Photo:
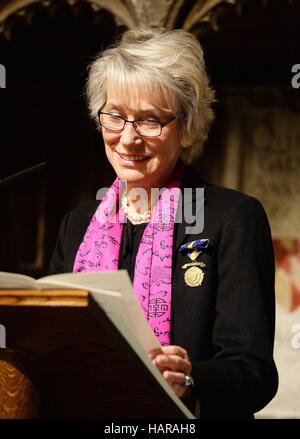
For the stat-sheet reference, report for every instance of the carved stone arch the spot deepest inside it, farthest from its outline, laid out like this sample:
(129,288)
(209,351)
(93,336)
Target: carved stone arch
(197,15)
(190,15)
(123,11)
(209,12)
(133,13)
(186,13)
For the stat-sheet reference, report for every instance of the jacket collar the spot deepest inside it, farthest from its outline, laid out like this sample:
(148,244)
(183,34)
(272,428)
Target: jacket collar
(192,180)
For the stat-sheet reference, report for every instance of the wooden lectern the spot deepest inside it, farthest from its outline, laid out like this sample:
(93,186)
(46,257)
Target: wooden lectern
(65,359)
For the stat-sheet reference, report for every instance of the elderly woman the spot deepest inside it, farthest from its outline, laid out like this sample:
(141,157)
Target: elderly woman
(207,292)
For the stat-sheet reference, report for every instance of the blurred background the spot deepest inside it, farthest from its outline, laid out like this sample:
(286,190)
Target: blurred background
(254,146)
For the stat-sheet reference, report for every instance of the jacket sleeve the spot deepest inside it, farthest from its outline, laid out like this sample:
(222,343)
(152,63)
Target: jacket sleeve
(241,377)
(57,262)
(70,236)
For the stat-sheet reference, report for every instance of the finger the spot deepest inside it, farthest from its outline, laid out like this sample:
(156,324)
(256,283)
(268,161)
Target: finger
(169,350)
(175,350)
(174,377)
(177,387)
(180,391)
(177,383)
(162,362)
(174,363)
(154,352)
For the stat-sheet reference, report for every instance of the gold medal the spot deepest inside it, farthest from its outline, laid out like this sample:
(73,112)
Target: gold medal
(194,276)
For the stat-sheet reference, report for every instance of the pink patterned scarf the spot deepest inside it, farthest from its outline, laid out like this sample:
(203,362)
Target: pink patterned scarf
(100,248)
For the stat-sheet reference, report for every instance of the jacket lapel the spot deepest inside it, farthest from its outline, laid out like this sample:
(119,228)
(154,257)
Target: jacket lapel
(179,298)
(190,180)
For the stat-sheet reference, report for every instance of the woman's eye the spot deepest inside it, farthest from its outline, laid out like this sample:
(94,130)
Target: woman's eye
(152,120)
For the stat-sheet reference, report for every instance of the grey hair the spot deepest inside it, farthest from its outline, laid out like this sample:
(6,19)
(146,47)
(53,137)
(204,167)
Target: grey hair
(167,66)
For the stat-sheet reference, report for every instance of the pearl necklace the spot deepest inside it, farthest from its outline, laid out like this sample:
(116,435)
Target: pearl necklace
(133,216)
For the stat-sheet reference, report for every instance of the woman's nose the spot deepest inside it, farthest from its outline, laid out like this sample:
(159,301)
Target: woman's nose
(129,135)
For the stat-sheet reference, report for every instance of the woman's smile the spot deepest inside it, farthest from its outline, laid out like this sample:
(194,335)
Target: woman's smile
(132,160)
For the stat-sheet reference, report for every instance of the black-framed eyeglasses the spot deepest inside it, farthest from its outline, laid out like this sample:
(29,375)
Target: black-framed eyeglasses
(146,128)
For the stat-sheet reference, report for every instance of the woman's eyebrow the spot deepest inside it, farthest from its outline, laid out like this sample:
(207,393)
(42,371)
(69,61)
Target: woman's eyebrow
(152,110)
(111,106)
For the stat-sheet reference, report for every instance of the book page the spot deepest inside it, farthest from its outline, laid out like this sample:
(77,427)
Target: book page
(105,286)
(140,337)
(17,281)
(134,339)
(115,281)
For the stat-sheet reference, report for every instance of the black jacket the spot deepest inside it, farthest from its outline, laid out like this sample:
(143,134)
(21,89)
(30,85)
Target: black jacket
(227,323)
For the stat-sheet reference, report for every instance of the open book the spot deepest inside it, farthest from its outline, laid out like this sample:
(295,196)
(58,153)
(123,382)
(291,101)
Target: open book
(114,294)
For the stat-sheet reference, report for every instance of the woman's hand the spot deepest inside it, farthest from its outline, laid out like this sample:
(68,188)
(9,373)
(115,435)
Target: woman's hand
(174,364)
